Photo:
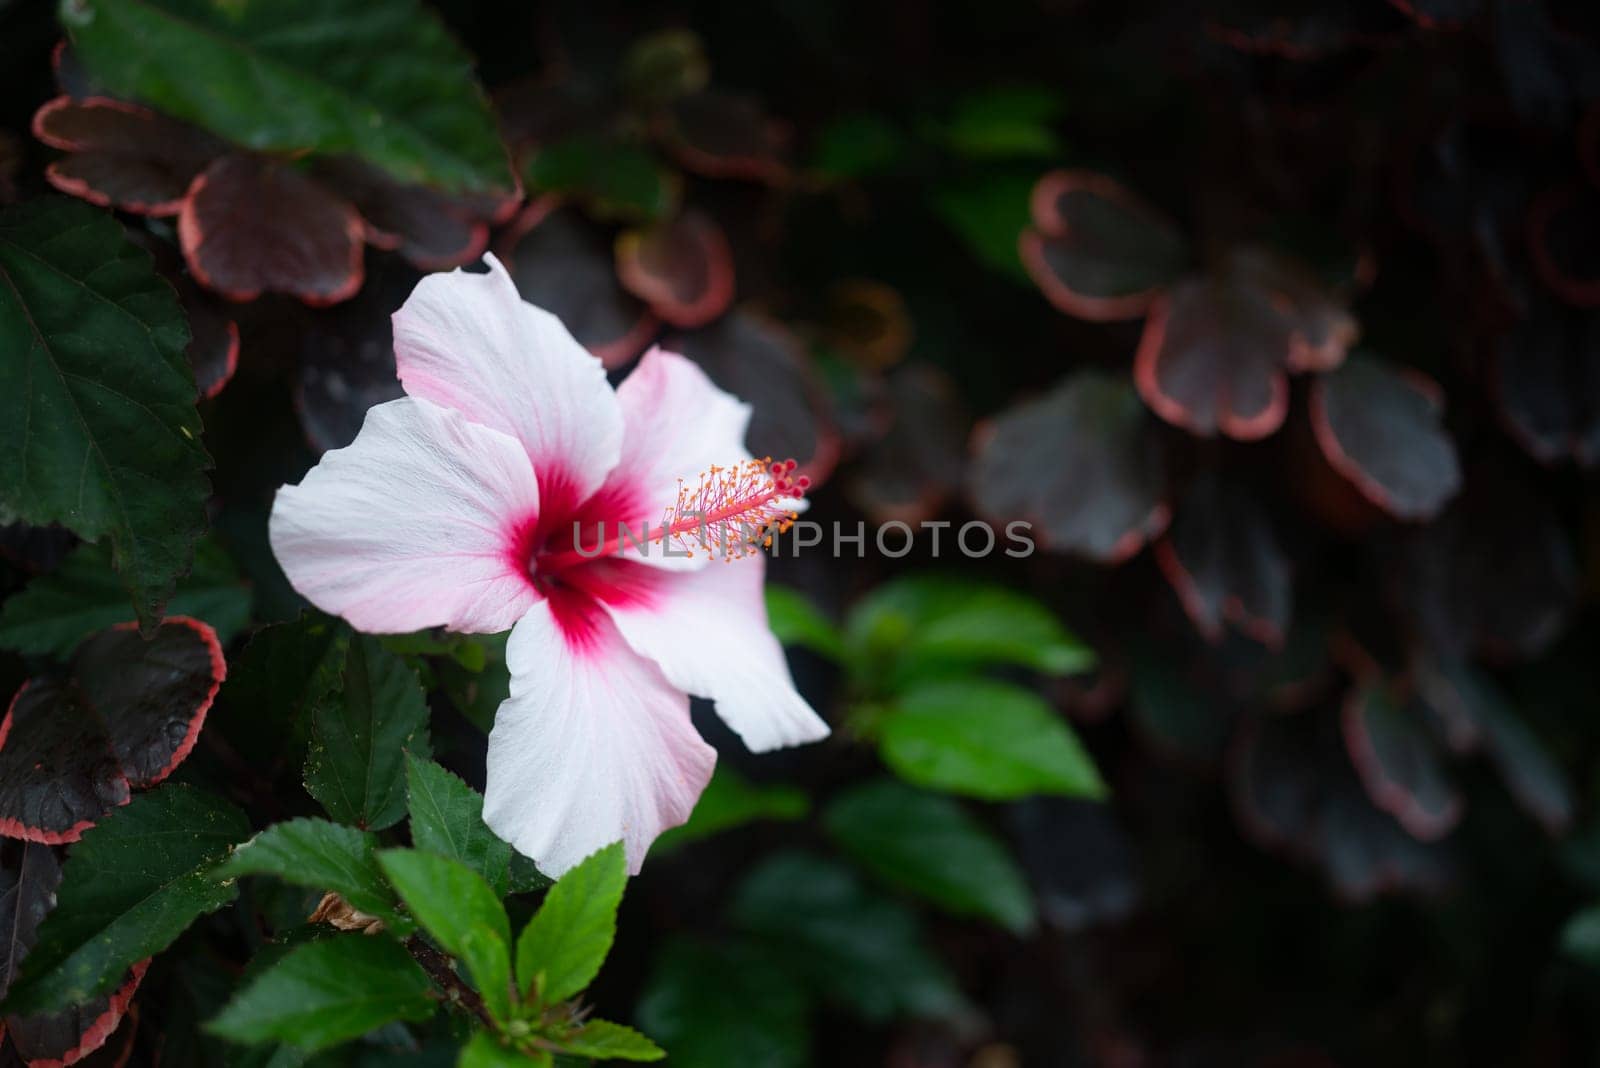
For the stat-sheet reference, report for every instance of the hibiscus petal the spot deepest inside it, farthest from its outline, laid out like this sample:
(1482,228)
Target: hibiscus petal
(593,745)
(469,342)
(421,522)
(708,630)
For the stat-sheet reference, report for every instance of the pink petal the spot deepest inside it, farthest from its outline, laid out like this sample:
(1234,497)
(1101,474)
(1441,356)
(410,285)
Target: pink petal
(418,523)
(676,425)
(593,745)
(468,342)
(708,630)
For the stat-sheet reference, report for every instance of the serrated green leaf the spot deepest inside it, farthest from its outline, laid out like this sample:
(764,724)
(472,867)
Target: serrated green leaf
(265,704)
(850,944)
(98,427)
(987,740)
(934,848)
(322,856)
(526,876)
(730,801)
(714,1006)
(563,946)
(456,907)
(132,885)
(604,1040)
(378,79)
(795,621)
(328,992)
(447,819)
(915,628)
(361,734)
(484,1050)
(57,611)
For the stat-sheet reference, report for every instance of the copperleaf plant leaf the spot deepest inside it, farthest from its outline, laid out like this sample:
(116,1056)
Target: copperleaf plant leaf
(124,717)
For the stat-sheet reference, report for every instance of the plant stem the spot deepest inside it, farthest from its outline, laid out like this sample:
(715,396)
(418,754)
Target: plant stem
(458,993)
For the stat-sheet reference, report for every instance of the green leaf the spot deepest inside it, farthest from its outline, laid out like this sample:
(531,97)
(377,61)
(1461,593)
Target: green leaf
(715,1006)
(796,621)
(1580,938)
(57,611)
(932,847)
(526,876)
(604,1040)
(360,736)
(567,940)
(858,146)
(928,625)
(985,739)
(283,673)
(447,818)
(98,428)
(322,856)
(862,950)
(131,886)
(1009,123)
(989,212)
(730,801)
(328,992)
(378,79)
(485,1051)
(617,180)
(456,907)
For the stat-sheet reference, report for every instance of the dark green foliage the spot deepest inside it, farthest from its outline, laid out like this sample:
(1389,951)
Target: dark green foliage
(98,429)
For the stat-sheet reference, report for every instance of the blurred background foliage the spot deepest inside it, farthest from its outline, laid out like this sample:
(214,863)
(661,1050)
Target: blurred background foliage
(1279,324)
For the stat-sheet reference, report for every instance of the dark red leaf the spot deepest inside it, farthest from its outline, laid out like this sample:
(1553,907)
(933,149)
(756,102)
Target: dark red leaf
(1494,574)
(682,268)
(561,263)
(1294,791)
(347,360)
(1564,243)
(252,225)
(127,714)
(1096,250)
(151,694)
(760,362)
(868,322)
(433,230)
(213,339)
(1216,351)
(1439,14)
(1545,376)
(919,462)
(29,875)
(1226,563)
(1306,31)
(1476,715)
(1079,860)
(1398,762)
(1080,464)
(1379,426)
(123,155)
(721,135)
(58,773)
(57,1039)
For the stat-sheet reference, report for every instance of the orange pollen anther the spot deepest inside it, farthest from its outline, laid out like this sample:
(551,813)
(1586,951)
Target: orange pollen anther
(729,512)
(732,512)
